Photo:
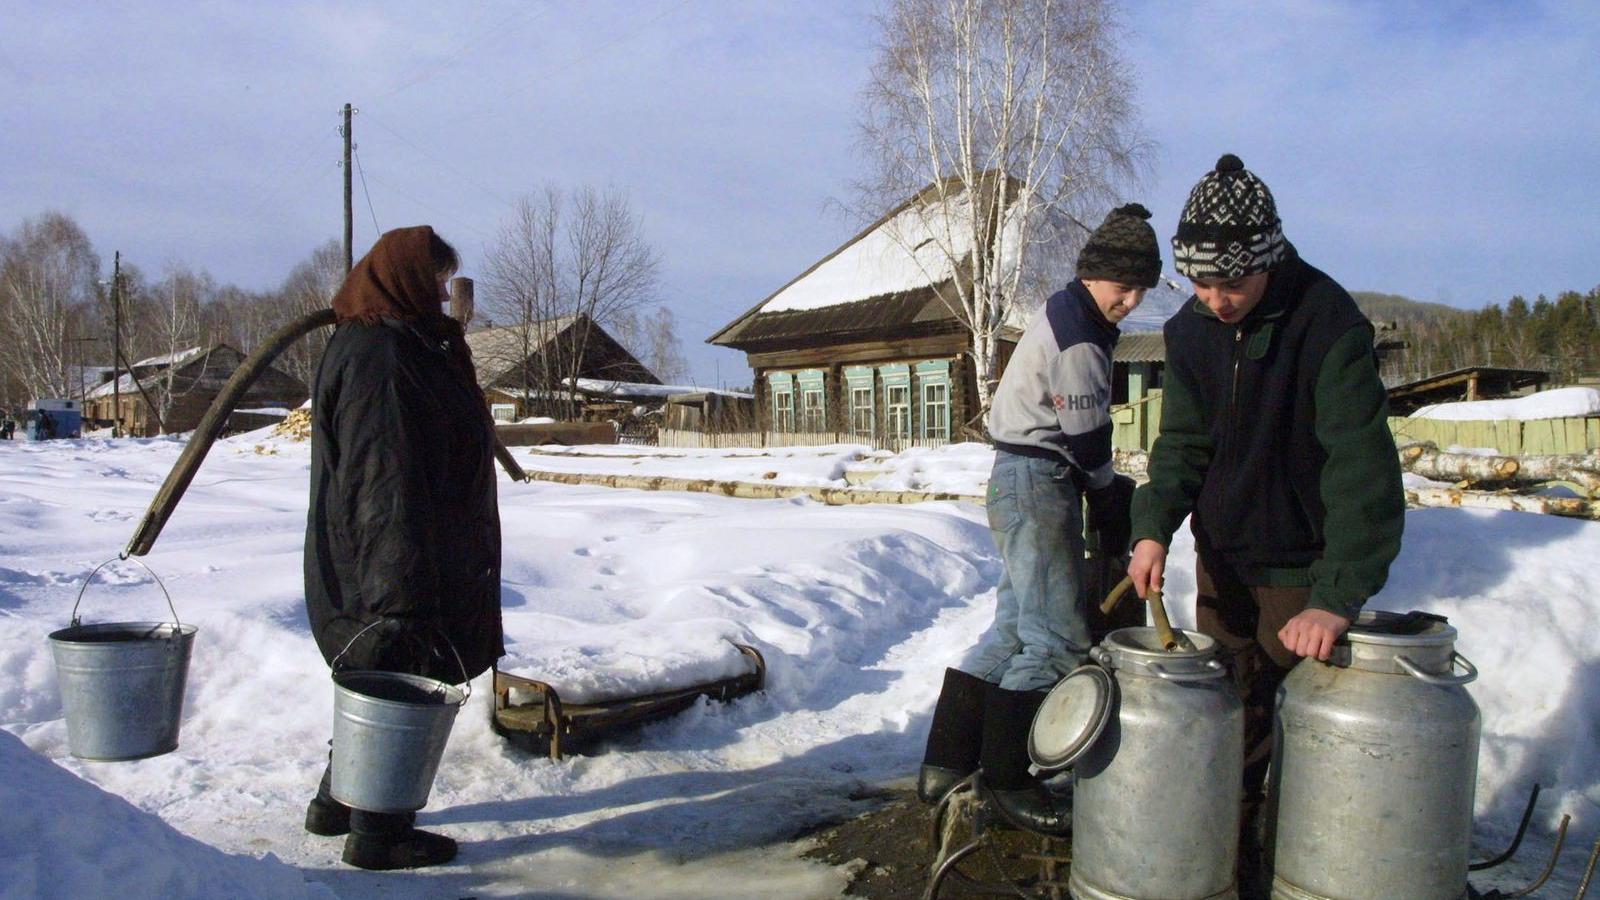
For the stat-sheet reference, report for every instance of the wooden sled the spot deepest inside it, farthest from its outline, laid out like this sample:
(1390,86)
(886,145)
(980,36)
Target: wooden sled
(544,724)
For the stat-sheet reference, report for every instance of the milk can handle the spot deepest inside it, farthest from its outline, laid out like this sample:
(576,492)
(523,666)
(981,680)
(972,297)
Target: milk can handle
(1212,670)
(465,678)
(1467,677)
(75,620)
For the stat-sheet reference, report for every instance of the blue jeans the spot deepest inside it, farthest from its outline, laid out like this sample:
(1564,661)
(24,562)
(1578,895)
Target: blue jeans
(1041,627)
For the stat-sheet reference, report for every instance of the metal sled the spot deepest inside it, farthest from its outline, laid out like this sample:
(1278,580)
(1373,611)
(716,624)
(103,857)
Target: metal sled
(545,724)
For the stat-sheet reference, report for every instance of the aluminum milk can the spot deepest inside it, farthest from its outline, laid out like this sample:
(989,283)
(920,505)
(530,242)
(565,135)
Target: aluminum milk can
(1156,797)
(1376,766)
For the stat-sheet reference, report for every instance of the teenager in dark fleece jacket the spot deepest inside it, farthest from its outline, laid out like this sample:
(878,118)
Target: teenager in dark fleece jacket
(1051,423)
(1274,436)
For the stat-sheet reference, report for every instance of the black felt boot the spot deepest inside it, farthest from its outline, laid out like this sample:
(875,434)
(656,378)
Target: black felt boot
(955,738)
(383,841)
(1004,783)
(325,815)
(328,817)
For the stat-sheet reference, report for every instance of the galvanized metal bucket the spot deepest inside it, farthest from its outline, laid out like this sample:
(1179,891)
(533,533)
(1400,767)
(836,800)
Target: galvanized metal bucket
(122,682)
(389,732)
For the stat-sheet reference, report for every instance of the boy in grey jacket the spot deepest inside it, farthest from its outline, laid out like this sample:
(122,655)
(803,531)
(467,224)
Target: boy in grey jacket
(1051,424)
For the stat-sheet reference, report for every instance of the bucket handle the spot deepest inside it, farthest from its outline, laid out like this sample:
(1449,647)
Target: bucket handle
(466,680)
(1466,677)
(1213,670)
(76,621)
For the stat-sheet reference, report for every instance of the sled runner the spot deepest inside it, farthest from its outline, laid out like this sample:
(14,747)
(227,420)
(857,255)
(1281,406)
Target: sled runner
(543,723)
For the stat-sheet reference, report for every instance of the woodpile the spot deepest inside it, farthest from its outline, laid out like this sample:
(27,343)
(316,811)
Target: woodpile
(296,426)
(749,490)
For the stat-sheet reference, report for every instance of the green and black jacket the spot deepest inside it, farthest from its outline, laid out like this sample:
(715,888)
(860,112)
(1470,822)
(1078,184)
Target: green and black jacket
(1274,434)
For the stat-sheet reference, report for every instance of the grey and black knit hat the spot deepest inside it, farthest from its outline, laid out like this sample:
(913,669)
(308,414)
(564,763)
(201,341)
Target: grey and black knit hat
(1229,227)
(1123,249)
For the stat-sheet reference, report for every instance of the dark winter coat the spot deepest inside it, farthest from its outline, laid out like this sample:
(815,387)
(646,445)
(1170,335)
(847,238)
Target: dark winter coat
(1274,434)
(403,524)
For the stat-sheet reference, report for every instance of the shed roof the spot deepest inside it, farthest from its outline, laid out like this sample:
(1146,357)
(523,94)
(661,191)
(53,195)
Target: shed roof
(1148,346)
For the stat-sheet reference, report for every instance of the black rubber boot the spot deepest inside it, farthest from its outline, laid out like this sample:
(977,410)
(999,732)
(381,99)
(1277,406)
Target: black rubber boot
(955,738)
(1004,783)
(384,841)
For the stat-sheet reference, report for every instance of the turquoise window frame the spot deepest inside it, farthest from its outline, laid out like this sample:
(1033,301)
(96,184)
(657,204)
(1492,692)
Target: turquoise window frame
(896,378)
(933,374)
(812,419)
(860,378)
(781,384)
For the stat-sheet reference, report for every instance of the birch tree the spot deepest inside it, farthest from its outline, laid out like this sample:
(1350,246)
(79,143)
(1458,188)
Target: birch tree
(48,275)
(565,261)
(177,327)
(1012,122)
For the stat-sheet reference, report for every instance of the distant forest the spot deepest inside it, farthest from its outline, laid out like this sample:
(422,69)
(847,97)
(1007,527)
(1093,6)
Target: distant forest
(1559,336)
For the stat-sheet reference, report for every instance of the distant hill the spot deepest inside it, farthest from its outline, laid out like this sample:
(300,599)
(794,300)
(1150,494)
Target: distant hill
(1404,311)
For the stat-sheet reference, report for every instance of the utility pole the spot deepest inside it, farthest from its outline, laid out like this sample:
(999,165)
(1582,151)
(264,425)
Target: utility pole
(116,345)
(349,260)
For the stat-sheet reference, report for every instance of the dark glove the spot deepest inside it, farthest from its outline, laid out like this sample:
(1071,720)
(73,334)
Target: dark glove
(1111,515)
(398,644)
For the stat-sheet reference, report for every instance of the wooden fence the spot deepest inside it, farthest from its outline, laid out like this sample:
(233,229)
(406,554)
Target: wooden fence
(1508,436)
(1135,426)
(683,438)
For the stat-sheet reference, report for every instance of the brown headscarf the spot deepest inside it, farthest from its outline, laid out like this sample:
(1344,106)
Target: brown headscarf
(397,279)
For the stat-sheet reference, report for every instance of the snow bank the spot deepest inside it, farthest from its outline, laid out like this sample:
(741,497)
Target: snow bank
(61,836)
(1560,403)
(856,609)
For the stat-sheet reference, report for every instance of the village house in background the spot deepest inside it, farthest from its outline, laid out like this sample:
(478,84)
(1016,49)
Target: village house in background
(543,369)
(863,347)
(181,386)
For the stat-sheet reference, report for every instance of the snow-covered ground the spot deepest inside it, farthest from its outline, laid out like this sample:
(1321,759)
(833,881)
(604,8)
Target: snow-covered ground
(857,610)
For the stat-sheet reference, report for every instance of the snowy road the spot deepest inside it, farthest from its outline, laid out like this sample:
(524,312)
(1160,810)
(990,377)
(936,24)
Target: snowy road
(856,609)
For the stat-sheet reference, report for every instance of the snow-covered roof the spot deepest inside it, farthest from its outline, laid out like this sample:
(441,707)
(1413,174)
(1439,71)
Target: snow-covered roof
(126,384)
(916,247)
(171,359)
(498,350)
(638,389)
(1560,403)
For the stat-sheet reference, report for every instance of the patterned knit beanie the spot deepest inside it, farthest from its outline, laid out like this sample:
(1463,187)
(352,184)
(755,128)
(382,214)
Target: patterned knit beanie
(1229,227)
(1123,249)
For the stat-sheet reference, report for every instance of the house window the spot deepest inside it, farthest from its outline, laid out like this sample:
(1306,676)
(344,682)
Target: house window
(813,401)
(896,379)
(936,411)
(503,412)
(933,382)
(782,388)
(897,405)
(862,403)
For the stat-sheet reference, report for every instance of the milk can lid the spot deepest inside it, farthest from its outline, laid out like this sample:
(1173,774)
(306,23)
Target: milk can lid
(1071,718)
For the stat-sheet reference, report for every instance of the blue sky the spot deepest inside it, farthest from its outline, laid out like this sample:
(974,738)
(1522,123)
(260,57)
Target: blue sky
(1446,151)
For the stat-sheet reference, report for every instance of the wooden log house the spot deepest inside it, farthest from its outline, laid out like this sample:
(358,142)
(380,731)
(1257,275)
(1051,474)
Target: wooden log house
(864,346)
(185,383)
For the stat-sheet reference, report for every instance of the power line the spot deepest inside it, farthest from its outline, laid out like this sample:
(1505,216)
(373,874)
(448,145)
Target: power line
(420,74)
(363,173)
(571,63)
(435,210)
(498,197)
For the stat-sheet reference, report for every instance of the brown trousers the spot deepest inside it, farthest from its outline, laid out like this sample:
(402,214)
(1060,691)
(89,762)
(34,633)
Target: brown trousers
(1245,621)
